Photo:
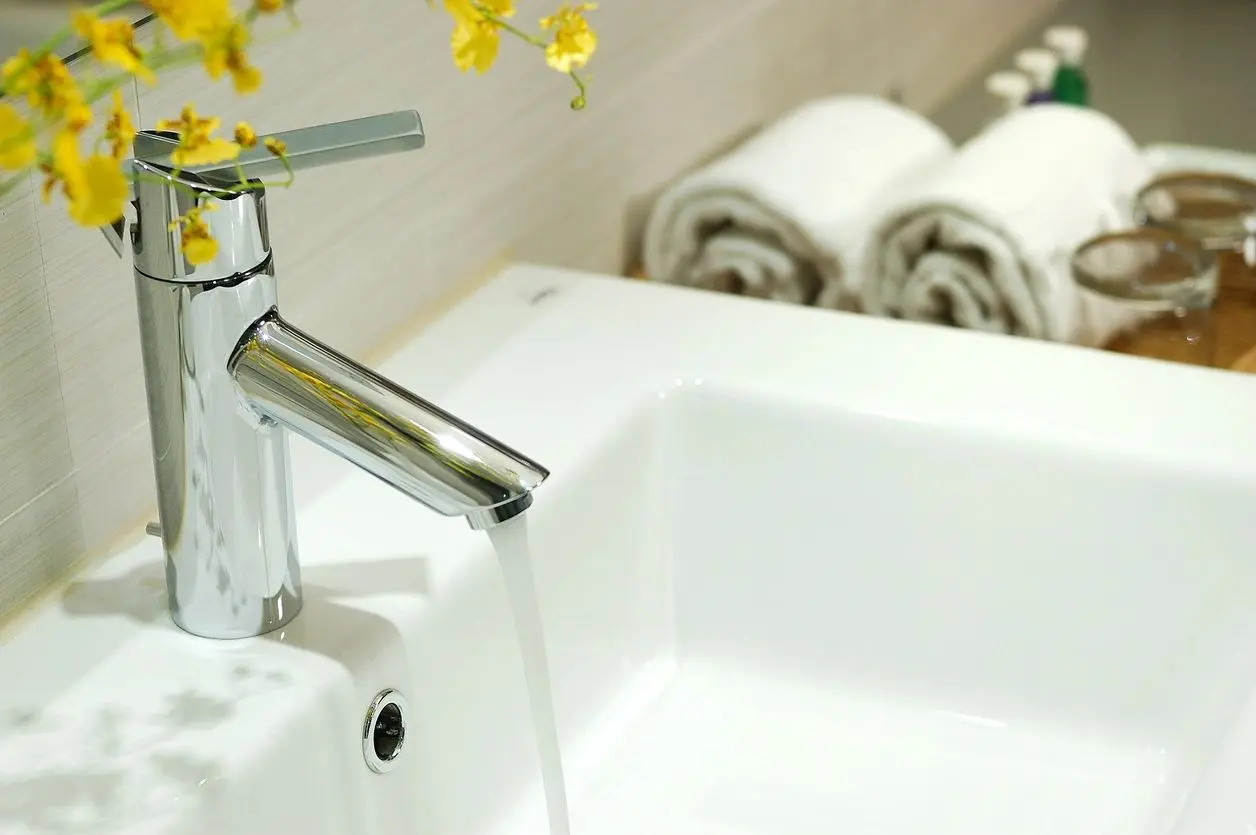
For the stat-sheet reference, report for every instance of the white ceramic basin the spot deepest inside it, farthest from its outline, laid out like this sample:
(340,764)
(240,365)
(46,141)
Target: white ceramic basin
(801,572)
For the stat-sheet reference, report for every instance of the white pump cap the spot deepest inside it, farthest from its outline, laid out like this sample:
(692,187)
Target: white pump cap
(1069,41)
(1011,88)
(1040,65)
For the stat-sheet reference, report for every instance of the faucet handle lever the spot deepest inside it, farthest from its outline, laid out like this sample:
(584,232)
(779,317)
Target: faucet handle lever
(328,144)
(241,232)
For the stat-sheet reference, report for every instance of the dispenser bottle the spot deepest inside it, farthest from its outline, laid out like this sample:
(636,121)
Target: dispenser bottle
(1040,65)
(1010,88)
(1070,85)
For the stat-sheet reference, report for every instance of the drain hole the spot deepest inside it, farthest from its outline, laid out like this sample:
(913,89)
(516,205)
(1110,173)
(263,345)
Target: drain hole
(390,732)
(385,731)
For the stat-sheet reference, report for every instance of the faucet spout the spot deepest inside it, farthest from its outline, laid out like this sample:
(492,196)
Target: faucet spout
(427,453)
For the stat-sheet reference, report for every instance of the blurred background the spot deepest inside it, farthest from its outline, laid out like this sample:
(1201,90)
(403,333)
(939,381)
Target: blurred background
(1167,70)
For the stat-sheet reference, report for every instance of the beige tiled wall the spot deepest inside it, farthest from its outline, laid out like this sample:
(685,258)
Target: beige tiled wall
(508,170)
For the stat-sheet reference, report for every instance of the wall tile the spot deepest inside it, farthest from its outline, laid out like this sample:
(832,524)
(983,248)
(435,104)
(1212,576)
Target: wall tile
(105,512)
(94,326)
(34,448)
(40,543)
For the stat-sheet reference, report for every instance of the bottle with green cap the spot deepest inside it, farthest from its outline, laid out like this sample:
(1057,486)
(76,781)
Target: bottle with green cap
(1071,86)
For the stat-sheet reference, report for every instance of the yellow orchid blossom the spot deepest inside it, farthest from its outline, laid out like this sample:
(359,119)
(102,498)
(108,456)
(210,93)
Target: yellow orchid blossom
(224,52)
(95,188)
(119,130)
(191,19)
(197,144)
(477,32)
(112,42)
(198,245)
(17,141)
(574,40)
(49,88)
(244,135)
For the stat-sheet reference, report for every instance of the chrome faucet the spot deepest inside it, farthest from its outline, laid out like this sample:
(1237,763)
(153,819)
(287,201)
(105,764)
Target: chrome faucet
(226,376)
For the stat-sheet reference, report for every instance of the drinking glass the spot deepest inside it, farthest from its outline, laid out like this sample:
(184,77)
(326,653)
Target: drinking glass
(1163,283)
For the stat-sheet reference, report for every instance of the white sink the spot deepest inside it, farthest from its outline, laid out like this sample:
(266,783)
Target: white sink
(801,572)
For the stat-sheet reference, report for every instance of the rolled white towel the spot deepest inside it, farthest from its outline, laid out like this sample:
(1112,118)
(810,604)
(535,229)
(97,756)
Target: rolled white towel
(785,214)
(984,240)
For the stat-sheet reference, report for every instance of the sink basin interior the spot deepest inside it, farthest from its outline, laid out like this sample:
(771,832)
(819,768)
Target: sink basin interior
(798,618)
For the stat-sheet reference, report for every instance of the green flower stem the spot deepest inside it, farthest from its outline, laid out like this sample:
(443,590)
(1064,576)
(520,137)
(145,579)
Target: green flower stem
(243,186)
(101,87)
(160,58)
(579,101)
(500,21)
(246,184)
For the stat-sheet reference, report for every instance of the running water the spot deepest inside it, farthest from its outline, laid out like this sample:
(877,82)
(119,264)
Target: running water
(510,540)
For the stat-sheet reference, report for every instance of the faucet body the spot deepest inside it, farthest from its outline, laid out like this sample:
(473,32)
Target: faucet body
(227,379)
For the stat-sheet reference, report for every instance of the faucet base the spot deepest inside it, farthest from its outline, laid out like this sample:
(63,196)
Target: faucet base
(274,613)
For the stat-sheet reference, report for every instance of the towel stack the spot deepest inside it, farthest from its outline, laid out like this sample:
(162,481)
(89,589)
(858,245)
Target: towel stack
(785,215)
(856,203)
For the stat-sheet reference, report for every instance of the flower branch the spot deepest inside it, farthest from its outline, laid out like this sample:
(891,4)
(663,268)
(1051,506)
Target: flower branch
(50,131)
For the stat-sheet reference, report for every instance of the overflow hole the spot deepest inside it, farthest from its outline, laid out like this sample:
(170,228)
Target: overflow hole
(385,731)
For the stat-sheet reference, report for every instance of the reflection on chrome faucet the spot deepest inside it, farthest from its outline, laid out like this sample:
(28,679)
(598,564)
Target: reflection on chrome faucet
(226,376)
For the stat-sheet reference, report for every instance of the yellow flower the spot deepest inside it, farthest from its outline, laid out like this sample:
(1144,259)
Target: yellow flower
(65,160)
(98,193)
(476,36)
(48,86)
(268,6)
(475,9)
(276,147)
(574,41)
(500,8)
(119,130)
(245,136)
(474,45)
(197,144)
(17,140)
(191,19)
(195,239)
(224,52)
(198,246)
(112,42)
(95,188)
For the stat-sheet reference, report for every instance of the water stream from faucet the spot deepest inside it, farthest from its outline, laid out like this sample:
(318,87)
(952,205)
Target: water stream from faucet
(510,540)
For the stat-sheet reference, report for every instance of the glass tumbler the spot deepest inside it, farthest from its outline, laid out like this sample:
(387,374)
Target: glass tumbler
(1218,210)
(1163,283)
